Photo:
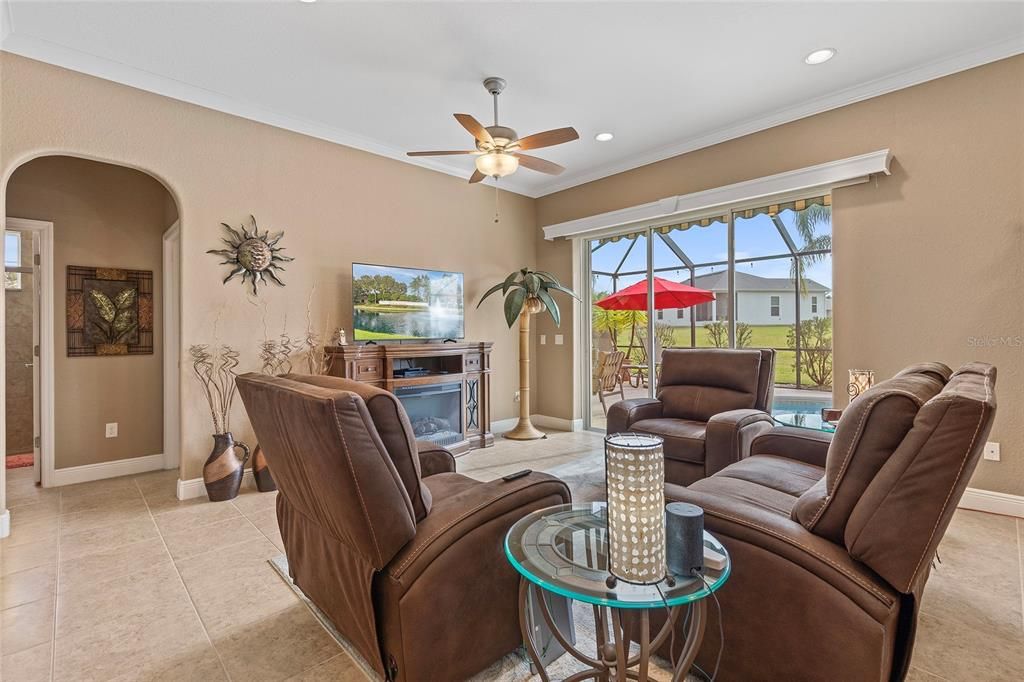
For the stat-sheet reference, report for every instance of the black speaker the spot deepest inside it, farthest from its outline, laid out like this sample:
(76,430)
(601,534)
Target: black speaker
(684,538)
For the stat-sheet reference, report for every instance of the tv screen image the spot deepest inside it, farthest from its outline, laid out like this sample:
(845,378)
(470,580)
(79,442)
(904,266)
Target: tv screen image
(394,304)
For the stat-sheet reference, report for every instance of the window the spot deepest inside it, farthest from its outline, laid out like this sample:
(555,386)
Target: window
(12,259)
(680,313)
(774,303)
(814,304)
(661,314)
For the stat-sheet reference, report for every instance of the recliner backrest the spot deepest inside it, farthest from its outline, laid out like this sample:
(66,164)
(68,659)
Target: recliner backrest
(870,430)
(394,429)
(330,463)
(698,383)
(898,522)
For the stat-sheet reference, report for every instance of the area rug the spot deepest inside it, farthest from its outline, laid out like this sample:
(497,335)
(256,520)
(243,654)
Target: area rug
(514,667)
(19,461)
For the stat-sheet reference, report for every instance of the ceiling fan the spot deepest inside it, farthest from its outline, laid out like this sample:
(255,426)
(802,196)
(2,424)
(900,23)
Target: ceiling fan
(499,149)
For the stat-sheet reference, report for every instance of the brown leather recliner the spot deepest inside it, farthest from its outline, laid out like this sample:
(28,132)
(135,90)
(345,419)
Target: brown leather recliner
(404,555)
(832,538)
(711,404)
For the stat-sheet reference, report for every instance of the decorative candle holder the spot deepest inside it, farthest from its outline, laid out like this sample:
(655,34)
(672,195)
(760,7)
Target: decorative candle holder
(860,381)
(635,476)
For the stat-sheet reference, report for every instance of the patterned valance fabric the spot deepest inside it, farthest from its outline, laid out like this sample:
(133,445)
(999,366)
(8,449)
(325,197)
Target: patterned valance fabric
(770,209)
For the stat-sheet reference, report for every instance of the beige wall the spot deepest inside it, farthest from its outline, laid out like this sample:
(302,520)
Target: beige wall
(336,204)
(925,261)
(18,381)
(103,216)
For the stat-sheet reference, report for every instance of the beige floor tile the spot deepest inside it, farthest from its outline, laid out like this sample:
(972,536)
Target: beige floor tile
(157,480)
(28,665)
(276,648)
(236,586)
(116,499)
(958,651)
(24,532)
(253,501)
(918,675)
(43,508)
(26,626)
(161,501)
(88,603)
(104,487)
(193,516)
(157,643)
(341,668)
(214,536)
(275,537)
(21,495)
(27,586)
(265,520)
(75,545)
(111,564)
(114,514)
(29,555)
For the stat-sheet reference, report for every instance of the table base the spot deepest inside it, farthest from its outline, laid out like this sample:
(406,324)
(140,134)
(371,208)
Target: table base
(612,661)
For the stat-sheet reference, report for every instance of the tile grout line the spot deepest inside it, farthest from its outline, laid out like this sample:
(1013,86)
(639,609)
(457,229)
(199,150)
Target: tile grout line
(181,580)
(56,591)
(1020,567)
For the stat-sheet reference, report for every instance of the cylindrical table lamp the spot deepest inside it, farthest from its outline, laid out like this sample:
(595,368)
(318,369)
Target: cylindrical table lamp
(635,475)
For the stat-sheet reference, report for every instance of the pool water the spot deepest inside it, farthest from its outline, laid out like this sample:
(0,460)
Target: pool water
(799,406)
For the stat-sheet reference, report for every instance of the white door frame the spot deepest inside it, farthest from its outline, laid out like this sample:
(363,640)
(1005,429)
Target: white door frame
(172,345)
(45,282)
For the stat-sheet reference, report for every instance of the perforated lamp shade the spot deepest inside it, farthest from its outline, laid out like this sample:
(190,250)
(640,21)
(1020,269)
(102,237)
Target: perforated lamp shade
(635,475)
(860,381)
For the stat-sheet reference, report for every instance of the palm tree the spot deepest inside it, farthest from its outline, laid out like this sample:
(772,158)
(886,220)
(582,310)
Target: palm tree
(806,224)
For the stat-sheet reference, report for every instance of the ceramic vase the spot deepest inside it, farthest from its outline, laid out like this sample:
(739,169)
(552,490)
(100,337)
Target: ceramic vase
(261,472)
(223,470)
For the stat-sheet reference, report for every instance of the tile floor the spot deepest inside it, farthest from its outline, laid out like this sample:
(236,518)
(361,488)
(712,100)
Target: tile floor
(118,580)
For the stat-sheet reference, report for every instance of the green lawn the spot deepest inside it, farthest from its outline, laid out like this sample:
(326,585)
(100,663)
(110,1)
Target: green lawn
(364,335)
(763,336)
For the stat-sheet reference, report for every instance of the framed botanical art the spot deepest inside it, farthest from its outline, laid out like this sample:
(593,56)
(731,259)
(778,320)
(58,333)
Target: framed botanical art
(109,311)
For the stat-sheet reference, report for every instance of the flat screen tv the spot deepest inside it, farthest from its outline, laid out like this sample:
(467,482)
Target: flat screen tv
(396,304)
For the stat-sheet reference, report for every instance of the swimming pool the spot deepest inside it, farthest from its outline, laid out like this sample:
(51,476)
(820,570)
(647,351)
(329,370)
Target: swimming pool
(799,405)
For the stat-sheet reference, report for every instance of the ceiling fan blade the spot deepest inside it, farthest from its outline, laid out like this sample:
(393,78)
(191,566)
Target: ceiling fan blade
(548,138)
(477,176)
(474,127)
(533,163)
(444,153)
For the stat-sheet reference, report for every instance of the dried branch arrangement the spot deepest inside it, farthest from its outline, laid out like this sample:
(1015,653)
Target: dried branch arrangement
(318,361)
(215,370)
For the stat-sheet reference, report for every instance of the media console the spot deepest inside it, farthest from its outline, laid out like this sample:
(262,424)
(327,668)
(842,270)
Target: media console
(444,387)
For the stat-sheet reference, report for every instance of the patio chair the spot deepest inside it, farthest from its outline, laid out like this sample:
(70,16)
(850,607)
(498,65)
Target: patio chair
(608,376)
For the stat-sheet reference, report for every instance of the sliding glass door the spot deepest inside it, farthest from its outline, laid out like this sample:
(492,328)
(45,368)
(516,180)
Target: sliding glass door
(741,277)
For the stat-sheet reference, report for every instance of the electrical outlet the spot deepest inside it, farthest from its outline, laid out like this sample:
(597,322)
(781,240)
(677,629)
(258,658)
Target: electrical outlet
(112,430)
(515,397)
(559,339)
(992,451)
(543,339)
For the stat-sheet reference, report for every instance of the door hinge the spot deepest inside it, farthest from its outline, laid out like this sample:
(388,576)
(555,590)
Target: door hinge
(36,259)
(37,442)
(35,350)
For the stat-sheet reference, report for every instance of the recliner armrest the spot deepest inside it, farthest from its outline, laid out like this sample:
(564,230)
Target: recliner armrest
(729,437)
(803,445)
(450,525)
(434,459)
(625,413)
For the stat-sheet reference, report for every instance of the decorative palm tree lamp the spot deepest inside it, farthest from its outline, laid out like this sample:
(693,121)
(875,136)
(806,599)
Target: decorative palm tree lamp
(527,292)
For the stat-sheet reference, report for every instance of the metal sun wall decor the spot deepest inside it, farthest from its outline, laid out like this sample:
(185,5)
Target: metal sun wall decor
(109,311)
(254,256)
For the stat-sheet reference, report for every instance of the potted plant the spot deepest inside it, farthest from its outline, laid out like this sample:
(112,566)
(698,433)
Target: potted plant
(526,293)
(215,370)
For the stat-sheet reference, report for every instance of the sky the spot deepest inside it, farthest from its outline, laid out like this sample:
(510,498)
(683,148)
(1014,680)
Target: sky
(755,236)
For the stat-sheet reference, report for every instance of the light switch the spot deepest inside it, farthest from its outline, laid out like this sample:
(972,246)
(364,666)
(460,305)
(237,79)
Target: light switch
(559,339)
(543,339)
(112,430)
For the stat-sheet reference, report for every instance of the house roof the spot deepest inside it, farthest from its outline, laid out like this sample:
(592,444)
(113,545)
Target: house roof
(716,281)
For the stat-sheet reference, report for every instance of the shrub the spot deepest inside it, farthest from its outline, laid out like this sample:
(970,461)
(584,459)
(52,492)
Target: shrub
(816,349)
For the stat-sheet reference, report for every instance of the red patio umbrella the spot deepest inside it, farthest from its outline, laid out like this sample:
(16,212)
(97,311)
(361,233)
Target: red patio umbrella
(667,294)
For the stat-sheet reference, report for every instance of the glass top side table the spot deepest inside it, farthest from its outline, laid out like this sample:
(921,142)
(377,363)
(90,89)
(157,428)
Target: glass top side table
(801,420)
(564,550)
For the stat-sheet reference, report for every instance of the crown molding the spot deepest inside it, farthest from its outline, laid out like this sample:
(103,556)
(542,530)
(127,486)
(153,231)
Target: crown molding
(881,86)
(100,67)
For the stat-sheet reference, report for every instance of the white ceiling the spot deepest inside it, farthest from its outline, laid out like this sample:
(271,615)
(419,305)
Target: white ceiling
(386,77)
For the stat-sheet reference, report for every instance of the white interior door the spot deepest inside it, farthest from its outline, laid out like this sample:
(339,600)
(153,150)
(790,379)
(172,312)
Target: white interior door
(38,282)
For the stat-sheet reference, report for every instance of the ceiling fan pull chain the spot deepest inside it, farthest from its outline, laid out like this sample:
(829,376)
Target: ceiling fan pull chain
(496,200)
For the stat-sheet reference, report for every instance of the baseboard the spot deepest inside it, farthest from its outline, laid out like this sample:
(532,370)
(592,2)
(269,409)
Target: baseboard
(993,502)
(5,523)
(101,470)
(540,421)
(194,487)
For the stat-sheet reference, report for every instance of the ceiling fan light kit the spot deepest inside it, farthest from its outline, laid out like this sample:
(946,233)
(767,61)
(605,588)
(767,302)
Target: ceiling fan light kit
(499,148)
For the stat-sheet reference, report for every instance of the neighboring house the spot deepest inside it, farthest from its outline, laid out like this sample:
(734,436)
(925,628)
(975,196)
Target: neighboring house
(760,301)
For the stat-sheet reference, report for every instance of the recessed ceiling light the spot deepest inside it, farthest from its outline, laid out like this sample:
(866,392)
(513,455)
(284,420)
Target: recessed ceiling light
(820,56)
(307,1)
(603,137)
